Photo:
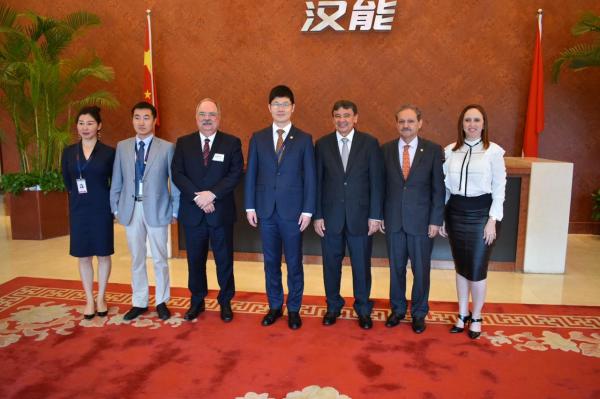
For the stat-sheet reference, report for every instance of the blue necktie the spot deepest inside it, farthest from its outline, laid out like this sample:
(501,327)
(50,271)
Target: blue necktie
(139,167)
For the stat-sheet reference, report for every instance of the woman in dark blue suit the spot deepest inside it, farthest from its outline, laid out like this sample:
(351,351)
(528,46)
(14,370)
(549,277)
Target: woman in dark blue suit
(87,169)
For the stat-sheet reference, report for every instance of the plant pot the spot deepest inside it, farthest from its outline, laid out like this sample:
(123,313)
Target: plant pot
(38,216)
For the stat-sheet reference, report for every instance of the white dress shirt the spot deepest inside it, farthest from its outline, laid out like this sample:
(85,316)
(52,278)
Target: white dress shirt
(350,136)
(286,130)
(412,149)
(146,141)
(211,140)
(486,174)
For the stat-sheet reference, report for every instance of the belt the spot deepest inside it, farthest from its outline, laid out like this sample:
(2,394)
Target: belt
(139,199)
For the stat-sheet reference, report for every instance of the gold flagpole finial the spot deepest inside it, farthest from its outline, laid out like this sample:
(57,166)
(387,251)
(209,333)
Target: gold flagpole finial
(148,11)
(540,11)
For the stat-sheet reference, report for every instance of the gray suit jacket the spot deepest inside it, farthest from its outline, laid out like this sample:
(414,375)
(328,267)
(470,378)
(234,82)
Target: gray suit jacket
(160,195)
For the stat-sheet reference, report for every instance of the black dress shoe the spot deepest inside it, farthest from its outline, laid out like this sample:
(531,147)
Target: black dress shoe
(365,322)
(194,311)
(270,317)
(102,314)
(418,324)
(134,312)
(294,321)
(163,311)
(330,318)
(89,316)
(226,312)
(394,319)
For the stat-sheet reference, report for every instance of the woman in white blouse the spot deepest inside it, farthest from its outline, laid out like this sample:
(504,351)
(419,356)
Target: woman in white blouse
(475,182)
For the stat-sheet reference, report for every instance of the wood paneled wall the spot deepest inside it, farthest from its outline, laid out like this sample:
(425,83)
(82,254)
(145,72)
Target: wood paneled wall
(439,55)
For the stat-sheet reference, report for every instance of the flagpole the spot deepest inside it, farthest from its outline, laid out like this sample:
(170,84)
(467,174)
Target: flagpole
(534,120)
(148,13)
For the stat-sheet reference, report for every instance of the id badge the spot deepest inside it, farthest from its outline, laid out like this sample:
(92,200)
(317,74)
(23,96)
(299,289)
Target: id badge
(81,186)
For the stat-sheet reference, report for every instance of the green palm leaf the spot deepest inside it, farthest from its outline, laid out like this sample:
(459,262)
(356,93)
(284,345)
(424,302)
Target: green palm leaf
(580,56)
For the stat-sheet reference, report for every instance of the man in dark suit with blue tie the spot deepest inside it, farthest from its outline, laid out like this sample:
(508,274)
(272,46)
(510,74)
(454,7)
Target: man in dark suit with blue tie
(413,214)
(206,167)
(280,200)
(349,209)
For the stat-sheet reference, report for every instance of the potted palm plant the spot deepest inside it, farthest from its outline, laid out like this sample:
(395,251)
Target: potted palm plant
(583,55)
(579,57)
(40,92)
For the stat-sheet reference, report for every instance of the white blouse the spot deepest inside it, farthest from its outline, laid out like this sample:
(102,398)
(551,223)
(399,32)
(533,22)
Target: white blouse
(476,172)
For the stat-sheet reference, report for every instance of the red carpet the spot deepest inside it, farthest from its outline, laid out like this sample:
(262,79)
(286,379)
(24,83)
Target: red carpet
(47,351)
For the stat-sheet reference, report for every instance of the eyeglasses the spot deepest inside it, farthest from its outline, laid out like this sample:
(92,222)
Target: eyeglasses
(208,114)
(281,105)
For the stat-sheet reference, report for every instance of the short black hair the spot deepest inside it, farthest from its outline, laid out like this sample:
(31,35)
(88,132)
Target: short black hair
(92,111)
(281,91)
(346,104)
(144,105)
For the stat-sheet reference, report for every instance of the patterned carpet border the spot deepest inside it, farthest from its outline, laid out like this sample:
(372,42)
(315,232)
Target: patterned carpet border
(18,296)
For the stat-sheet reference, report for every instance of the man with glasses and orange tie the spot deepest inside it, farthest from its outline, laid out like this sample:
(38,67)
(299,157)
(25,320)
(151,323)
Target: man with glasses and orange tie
(413,214)
(280,199)
(207,166)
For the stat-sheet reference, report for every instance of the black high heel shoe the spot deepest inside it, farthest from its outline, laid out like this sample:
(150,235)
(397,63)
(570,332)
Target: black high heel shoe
(475,334)
(465,320)
(104,313)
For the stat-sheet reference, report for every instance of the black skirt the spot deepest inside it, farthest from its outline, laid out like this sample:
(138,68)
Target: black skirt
(466,218)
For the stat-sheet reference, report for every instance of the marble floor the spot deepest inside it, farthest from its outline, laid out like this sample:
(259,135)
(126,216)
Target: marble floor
(579,285)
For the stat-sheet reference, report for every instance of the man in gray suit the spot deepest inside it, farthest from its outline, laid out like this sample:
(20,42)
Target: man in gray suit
(145,201)
(413,213)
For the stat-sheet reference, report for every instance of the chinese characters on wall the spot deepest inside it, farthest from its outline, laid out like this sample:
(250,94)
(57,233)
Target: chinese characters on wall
(375,15)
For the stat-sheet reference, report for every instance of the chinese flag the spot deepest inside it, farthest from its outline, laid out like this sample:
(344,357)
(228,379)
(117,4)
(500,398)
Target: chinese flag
(149,88)
(534,121)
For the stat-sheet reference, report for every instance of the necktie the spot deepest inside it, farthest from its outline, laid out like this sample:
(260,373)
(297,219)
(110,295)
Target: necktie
(139,166)
(279,145)
(206,151)
(345,152)
(405,162)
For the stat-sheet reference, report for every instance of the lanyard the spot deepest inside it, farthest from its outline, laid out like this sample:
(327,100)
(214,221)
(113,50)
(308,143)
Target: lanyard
(81,168)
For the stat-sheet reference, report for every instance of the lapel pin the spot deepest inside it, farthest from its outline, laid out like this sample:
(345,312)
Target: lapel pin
(421,150)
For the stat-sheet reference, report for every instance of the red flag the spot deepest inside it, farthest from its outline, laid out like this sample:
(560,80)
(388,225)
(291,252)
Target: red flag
(534,121)
(149,88)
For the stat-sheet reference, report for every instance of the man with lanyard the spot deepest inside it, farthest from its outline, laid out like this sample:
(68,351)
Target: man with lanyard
(145,201)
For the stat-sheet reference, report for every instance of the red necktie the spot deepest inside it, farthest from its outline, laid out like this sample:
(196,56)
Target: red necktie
(405,162)
(206,151)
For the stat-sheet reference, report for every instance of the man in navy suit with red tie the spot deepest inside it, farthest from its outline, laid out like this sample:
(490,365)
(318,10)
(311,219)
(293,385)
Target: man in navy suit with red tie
(206,167)
(280,200)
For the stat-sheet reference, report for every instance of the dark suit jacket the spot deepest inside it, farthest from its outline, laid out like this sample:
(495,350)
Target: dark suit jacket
(291,185)
(190,176)
(414,204)
(352,197)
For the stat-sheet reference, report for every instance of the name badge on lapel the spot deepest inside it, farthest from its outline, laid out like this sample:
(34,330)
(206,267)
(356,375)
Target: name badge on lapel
(219,157)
